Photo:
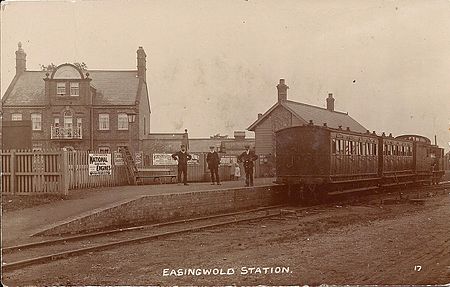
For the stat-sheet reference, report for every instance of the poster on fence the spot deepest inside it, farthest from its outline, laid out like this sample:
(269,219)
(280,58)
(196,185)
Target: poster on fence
(195,159)
(138,158)
(118,158)
(99,164)
(166,159)
(163,159)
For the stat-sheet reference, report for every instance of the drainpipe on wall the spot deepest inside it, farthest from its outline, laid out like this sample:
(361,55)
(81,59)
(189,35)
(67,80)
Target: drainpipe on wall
(91,116)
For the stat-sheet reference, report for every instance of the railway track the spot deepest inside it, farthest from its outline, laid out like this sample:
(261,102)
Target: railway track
(20,256)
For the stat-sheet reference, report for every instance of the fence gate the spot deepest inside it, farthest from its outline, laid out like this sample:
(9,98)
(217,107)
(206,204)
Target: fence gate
(33,172)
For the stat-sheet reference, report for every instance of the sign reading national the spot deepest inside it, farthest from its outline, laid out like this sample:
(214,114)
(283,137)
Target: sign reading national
(99,164)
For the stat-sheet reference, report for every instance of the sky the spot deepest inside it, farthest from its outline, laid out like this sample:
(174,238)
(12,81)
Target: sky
(212,65)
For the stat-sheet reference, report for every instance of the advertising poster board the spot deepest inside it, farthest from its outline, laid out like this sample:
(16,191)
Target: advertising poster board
(99,164)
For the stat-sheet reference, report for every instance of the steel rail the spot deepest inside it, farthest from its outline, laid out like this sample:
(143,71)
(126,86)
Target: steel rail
(9,249)
(55,256)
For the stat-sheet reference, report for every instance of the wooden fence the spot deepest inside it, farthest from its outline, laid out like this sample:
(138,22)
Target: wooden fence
(28,172)
(78,172)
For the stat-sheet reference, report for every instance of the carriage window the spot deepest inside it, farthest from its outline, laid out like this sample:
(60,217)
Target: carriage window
(333,146)
(374,151)
(346,146)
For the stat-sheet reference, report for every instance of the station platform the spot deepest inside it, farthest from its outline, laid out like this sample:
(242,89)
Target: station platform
(87,210)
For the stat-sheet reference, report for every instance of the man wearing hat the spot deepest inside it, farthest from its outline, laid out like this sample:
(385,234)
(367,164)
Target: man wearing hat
(182,157)
(248,157)
(213,161)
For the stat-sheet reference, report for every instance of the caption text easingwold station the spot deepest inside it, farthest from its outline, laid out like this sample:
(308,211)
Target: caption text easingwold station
(225,271)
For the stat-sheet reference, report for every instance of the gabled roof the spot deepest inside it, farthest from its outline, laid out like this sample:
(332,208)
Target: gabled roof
(318,115)
(113,88)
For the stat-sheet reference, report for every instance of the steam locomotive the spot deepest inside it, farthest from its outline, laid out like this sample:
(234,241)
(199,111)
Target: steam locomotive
(317,161)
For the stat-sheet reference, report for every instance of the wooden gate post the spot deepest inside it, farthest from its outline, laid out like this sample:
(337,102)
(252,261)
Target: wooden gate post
(12,166)
(64,172)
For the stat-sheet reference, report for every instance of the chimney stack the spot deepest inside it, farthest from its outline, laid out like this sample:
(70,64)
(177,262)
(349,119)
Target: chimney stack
(282,91)
(330,102)
(141,63)
(21,60)
(239,135)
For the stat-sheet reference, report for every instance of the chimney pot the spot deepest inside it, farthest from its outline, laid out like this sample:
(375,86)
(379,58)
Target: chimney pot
(239,135)
(330,102)
(282,90)
(348,128)
(259,115)
(141,63)
(21,59)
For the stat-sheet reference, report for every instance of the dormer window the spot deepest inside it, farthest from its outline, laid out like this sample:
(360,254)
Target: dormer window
(74,89)
(61,88)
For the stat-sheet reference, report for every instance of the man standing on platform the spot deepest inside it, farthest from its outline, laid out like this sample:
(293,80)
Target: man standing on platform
(182,157)
(213,161)
(248,157)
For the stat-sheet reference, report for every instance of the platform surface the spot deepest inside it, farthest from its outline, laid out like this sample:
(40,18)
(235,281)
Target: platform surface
(17,226)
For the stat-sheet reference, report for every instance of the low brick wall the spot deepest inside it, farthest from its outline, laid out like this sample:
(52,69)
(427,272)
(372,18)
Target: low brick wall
(159,208)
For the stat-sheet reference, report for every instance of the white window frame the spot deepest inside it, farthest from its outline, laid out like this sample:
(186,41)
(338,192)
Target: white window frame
(16,116)
(122,122)
(104,149)
(103,122)
(74,89)
(36,121)
(61,88)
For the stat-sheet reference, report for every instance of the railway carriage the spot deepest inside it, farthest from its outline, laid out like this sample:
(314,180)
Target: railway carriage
(317,161)
(428,159)
(396,161)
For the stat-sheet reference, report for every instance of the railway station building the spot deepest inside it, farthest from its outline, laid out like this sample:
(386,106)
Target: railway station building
(285,113)
(79,109)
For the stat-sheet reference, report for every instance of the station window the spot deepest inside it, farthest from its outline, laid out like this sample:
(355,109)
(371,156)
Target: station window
(16,117)
(36,122)
(61,88)
(104,149)
(103,122)
(122,121)
(74,89)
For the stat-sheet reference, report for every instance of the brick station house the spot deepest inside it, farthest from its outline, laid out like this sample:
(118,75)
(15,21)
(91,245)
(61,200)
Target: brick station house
(285,113)
(96,110)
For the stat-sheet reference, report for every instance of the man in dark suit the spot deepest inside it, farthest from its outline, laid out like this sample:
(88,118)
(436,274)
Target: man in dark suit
(182,157)
(213,161)
(248,157)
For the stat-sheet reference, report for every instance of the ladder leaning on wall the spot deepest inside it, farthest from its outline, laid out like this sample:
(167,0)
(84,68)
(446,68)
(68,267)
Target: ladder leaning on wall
(130,165)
